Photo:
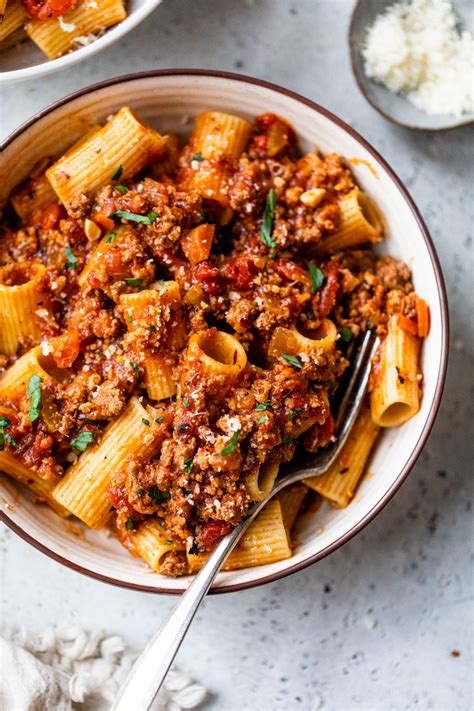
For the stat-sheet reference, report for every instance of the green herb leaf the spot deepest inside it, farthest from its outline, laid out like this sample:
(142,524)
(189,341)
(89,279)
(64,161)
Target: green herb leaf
(197,156)
(129,525)
(168,543)
(135,368)
(118,173)
(10,439)
(153,328)
(133,281)
(317,277)
(2,441)
(186,401)
(287,439)
(293,415)
(292,359)
(229,448)
(160,495)
(261,420)
(188,466)
(142,219)
(346,334)
(111,237)
(83,440)
(267,224)
(267,405)
(145,421)
(71,259)
(122,189)
(4,423)
(160,419)
(33,392)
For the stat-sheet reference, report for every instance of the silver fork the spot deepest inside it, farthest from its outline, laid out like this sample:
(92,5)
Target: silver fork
(149,671)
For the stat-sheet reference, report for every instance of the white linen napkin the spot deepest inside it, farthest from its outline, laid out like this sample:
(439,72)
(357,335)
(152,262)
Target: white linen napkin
(70,668)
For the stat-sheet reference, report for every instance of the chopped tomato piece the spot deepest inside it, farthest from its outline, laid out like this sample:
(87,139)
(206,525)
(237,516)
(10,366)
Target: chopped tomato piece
(118,498)
(241,270)
(46,9)
(66,348)
(51,216)
(103,221)
(196,244)
(422,317)
(209,276)
(408,325)
(291,271)
(115,265)
(328,294)
(212,532)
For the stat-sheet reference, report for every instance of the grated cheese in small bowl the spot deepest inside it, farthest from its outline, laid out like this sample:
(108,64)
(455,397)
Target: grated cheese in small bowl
(415,48)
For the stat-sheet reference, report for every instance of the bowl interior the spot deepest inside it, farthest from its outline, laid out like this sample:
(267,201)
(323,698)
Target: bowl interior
(393,106)
(26,60)
(170,102)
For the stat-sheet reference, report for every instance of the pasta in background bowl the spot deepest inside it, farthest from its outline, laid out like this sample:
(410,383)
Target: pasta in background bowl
(31,48)
(162,99)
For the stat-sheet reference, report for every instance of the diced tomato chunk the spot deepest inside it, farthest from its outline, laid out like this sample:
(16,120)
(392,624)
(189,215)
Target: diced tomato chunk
(212,532)
(66,348)
(115,265)
(196,244)
(46,9)
(328,294)
(209,276)
(241,270)
(51,216)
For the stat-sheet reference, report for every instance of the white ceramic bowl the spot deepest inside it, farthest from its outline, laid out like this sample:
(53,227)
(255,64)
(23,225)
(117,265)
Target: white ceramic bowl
(169,100)
(27,61)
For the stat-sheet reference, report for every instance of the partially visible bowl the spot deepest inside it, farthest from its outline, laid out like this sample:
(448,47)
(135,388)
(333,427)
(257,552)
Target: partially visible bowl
(27,61)
(395,107)
(169,100)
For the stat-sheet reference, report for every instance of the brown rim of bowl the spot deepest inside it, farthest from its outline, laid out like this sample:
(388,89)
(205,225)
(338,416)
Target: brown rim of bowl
(359,77)
(444,332)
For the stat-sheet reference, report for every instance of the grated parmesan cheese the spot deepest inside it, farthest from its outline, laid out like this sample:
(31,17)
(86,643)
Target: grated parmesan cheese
(66,26)
(415,48)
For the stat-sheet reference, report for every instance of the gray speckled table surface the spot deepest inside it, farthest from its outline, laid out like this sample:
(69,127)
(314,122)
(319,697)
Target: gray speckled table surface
(373,626)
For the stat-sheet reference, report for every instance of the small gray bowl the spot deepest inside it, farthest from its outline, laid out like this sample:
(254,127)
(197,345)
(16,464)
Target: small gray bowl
(394,107)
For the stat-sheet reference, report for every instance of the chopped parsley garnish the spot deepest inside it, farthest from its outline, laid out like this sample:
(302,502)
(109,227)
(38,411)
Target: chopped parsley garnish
(153,328)
(5,425)
(160,419)
(145,421)
(82,441)
(186,401)
(122,189)
(287,439)
(267,405)
(129,525)
(160,495)
(188,466)
(292,359)
(267,224)
(135,368)
(34,395)
(133,281)
(111,237)
(317,277)
(71,259)
(197,156)
(129,319)
(168,543)
(229,448)
(261,420)
(118,173)
(142,219)
(293,415)
(346,334)
(9,439)
(161,282)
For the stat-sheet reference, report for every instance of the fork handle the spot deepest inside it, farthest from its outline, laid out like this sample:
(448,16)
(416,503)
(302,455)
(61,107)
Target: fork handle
(149,671)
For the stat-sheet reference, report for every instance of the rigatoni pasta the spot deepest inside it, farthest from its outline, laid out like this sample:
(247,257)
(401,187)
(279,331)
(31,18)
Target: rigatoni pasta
(176,324)
(60,27)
